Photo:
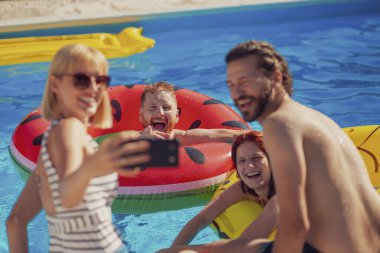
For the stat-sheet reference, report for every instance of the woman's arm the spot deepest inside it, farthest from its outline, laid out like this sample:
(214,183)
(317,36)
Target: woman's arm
(265,223)
(76,165)
(208,214)
(27,206)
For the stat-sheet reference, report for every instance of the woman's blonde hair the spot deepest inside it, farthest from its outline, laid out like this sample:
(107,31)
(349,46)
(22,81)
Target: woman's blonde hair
(65,61)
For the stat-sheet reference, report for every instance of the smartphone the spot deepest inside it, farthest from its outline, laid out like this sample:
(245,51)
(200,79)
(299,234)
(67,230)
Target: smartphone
(163,153)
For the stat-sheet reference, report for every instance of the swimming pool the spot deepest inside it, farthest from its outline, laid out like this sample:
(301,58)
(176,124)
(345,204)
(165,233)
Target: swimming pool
(332,48)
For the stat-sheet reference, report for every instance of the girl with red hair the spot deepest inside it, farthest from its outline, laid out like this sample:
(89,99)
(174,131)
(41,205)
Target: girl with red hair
(256,184)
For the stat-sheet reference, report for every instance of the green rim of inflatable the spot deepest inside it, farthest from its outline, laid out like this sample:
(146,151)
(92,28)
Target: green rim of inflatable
(133,203)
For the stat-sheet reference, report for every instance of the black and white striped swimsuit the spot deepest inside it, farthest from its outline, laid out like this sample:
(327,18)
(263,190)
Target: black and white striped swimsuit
(88,226)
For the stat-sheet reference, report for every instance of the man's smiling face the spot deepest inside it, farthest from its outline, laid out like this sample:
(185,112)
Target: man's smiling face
(249,88)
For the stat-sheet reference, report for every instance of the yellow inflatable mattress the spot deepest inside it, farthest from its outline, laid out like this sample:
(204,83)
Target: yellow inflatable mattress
(41,49)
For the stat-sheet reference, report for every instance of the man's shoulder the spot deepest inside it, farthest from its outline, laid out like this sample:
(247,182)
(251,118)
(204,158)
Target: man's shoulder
(290,115)
(277,120)
(283,127)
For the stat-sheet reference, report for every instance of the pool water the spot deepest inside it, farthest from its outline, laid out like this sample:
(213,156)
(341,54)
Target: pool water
(333,50)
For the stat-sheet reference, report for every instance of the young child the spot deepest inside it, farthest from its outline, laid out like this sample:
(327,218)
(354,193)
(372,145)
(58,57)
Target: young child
(159,115)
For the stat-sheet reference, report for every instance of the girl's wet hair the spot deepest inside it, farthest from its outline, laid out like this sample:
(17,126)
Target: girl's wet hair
(257,138)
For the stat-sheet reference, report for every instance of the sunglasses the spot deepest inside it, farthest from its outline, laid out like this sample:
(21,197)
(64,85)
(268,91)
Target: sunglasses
(83,81)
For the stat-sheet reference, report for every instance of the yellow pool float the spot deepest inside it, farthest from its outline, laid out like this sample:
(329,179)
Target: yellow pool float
(232,222)
(235,219)
(367,140)
(41,49)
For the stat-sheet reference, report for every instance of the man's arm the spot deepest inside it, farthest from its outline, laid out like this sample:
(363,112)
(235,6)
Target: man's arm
(199,135)
(287,159)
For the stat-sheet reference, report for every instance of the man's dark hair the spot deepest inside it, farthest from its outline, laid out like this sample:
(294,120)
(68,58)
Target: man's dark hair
(268,60)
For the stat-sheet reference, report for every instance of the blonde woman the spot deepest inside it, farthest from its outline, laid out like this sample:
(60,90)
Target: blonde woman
(75,179)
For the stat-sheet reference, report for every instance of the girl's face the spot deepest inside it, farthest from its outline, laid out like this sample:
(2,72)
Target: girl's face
(80,91)
(253,166)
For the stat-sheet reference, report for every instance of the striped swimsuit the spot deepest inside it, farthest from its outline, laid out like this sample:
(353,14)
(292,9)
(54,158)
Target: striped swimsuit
(88,226)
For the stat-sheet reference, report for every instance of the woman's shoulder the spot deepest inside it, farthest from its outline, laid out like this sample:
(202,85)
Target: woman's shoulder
(69,124)
(68,129)
(71,121)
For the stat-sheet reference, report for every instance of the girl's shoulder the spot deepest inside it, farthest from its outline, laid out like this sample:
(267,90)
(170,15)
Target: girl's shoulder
(235,191)
(272,204)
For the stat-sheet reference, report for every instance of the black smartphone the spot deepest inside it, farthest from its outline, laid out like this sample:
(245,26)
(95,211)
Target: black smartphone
(163,153)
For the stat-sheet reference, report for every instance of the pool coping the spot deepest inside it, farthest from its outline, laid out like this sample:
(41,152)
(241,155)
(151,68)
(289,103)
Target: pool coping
(46,22)
(296,7)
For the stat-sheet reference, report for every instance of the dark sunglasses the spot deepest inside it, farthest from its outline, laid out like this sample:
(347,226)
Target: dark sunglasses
(83,81)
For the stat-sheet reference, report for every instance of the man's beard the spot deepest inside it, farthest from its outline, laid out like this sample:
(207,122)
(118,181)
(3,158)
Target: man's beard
(260,108)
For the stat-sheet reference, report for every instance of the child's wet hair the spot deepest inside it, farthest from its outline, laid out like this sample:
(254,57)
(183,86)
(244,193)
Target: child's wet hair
(157,87)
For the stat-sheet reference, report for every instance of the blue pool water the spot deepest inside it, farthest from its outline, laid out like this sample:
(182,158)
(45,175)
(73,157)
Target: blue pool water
(333,49)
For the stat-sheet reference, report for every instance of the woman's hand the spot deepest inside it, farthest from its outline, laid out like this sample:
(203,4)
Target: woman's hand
(119,153)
